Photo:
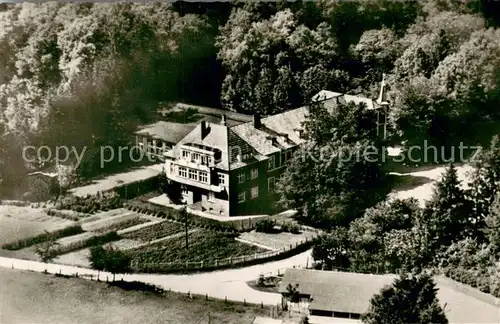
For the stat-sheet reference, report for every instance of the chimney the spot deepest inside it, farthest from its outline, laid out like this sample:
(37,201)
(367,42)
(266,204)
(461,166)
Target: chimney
(223,120)
(205,129)
(256,121)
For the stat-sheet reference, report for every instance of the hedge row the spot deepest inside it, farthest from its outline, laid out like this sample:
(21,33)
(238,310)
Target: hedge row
(18,203)
(90,204)
(68,231)
(92,241)
(176,215)
(481,280)
(66,214)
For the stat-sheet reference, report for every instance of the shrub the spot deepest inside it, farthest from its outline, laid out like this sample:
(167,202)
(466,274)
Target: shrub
(21,244)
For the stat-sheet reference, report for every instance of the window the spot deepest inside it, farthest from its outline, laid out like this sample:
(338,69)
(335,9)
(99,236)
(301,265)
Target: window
(271,165)
(222,179)
(211,196)
(195,157)
(184,190)
(289,155)
(183,172)
(193,174)
(203,176)
(255,192)
(271,183)
(241,197)
(210,160)
(241,177)
(283,157)
(185,154)
(255,173)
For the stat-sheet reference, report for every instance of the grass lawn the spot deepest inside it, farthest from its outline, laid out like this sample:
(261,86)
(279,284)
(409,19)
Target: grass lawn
(204,245)
(156,231)
(28,297)
(18,223)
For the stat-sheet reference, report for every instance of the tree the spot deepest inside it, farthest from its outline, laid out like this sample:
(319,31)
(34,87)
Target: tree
(447,213)
(332,180)
(47,250)
(485,182)
(117,261)
(410,299)
(97,257)
(270,58)
(109,259)
(331,250)
(493,226)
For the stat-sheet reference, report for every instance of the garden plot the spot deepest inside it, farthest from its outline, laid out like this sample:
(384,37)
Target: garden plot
(273,241)
(17,223)
(156,231)
(114,223)
(78,258)
(204,245)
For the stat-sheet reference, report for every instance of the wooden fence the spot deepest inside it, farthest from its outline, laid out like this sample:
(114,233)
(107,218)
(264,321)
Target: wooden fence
(215,264)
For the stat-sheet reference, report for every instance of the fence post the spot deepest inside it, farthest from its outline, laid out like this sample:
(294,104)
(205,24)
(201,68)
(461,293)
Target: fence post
(216,262)
(206,296)
(201,264)
(244,302)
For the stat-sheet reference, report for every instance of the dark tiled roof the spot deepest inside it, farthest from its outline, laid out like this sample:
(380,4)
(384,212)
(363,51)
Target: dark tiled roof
(166,131)
(281,126)
(336,291)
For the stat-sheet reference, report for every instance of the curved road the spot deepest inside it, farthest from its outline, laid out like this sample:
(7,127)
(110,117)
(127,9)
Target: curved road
(229,283)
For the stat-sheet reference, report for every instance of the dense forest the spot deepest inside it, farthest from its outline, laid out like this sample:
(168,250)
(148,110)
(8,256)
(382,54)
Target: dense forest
(86,75)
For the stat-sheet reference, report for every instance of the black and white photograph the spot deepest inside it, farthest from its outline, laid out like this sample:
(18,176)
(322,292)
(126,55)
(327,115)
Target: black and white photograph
(250,162)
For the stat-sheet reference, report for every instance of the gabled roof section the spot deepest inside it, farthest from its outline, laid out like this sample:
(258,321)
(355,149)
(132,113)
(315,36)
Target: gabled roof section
(240,152)
(217,137)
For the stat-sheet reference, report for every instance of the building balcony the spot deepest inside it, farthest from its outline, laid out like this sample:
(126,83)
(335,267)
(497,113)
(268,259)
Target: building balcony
(194,183)
(193,165)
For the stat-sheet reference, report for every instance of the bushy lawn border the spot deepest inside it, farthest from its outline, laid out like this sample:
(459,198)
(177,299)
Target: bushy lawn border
(20,244)
(484,281)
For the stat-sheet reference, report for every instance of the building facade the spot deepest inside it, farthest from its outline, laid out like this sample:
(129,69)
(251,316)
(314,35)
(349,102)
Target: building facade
(233,170)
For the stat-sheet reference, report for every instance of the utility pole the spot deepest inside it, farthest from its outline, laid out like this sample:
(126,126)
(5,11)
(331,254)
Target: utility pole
(184,210)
